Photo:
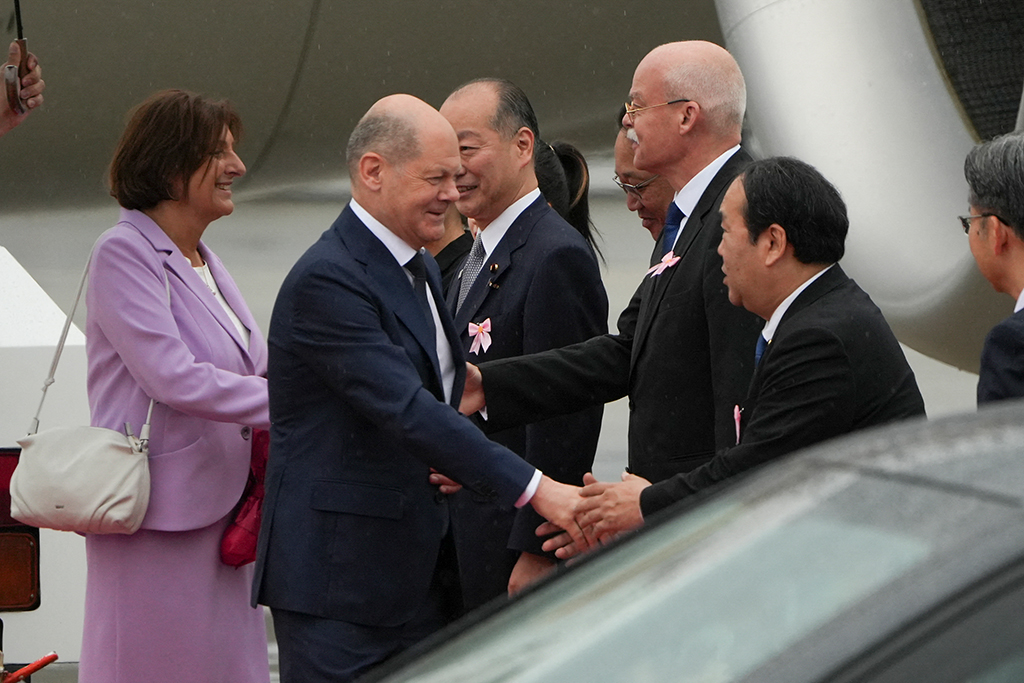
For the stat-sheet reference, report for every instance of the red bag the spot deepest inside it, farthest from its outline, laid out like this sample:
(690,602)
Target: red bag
(238,546)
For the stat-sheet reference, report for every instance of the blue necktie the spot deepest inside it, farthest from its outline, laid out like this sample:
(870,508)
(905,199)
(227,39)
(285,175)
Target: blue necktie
(762,343)
(673,220)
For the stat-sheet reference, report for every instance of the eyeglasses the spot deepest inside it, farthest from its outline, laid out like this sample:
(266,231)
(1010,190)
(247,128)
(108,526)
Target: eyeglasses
(633,111)
(638,189)
(966,220)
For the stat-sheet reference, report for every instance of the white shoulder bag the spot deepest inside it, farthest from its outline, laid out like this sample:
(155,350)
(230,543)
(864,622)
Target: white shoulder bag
(86,479)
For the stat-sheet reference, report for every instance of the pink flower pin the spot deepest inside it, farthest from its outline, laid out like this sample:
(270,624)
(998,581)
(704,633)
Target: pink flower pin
(667,261)
(481,334)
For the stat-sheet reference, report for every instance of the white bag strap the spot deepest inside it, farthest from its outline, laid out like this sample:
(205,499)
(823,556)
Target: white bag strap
(34,426)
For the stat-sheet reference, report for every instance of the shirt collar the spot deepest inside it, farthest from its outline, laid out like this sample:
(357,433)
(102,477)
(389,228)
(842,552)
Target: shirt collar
(773,323)
(395,244)
(497,228)
(1020,302)
(686,199)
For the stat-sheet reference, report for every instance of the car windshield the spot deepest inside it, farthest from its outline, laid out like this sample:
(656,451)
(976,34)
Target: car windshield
(712,594)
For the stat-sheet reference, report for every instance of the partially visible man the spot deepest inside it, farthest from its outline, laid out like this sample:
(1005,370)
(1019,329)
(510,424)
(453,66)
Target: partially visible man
(364,369)
(682,353)
(995,230)
(530,283)
(827,362)
(32,87)
(647,194)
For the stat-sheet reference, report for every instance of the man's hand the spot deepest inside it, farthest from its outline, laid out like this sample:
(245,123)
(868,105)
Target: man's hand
(473,394)
(32,87)
(611,508)
(529,569)
(556,503)
(606,510)
(444,484)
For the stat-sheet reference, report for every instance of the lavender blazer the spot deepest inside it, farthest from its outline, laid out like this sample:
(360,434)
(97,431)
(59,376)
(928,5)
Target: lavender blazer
(188,356)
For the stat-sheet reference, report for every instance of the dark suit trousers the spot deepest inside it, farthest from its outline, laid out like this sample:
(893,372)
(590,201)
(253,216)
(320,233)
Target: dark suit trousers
(315,649)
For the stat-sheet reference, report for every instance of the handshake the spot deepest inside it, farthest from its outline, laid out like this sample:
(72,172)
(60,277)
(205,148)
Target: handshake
(579,518)
(586,517)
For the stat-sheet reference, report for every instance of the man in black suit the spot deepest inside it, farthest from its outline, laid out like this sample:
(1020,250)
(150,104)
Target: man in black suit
(682,353)
(536,286)
(995,230)
(364,370)
(827,362)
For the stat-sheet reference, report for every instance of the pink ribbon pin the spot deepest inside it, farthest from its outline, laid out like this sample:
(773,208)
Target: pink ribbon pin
(667,261)
(737,415)
(481,334)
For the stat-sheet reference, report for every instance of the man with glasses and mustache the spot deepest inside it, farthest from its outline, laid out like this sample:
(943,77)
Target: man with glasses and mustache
(995,232)
(647,194)
(684,355)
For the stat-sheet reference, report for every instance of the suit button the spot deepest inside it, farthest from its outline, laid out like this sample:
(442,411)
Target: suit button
(438,497)
(632,406)
(246,432)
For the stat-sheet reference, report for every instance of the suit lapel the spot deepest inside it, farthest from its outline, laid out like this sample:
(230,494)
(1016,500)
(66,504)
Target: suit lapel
(495,266)
(451,334)
(393,282)
(176,263)
(656,287)
(834,277)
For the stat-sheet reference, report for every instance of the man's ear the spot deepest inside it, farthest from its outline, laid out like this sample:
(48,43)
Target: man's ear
(774,242)
(371,167)
(524,141)
(689,115)
(999,236)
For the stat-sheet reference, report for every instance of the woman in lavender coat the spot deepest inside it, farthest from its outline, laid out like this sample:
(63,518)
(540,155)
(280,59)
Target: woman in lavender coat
(165,320)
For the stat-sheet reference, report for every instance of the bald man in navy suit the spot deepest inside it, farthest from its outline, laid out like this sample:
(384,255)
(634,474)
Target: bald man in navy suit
(364,371)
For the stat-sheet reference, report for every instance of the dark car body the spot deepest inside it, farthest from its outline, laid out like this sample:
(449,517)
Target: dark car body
(889,555)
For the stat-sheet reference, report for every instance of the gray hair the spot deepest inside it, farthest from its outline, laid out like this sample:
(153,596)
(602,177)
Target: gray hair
(720,92)
(392,137)
(995,173)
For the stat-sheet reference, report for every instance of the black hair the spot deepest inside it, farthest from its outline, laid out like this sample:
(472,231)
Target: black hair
(794,195)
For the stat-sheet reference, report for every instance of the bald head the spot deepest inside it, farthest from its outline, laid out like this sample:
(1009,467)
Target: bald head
(403,157)
(706,73)
(389,129)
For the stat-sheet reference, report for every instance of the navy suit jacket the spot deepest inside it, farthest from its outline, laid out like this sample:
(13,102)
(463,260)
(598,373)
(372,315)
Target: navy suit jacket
(682,354)
(832,367)
(541,289)
(1002,361)
(351,525)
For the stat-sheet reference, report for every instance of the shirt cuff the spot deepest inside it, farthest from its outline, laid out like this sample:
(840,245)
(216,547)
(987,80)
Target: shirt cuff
(531,489)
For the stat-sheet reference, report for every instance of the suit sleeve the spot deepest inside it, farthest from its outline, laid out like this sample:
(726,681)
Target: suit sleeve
(127,299)
(373,374)
(566,303)
(1001,375)
(806,395)
(535,387)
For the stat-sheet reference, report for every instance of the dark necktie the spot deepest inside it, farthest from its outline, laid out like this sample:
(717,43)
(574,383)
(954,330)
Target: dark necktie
(762,344)
(673,220)
(418,268)
(470,269)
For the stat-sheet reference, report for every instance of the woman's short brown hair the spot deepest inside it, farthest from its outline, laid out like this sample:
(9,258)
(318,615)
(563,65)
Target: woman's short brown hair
(167,139)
